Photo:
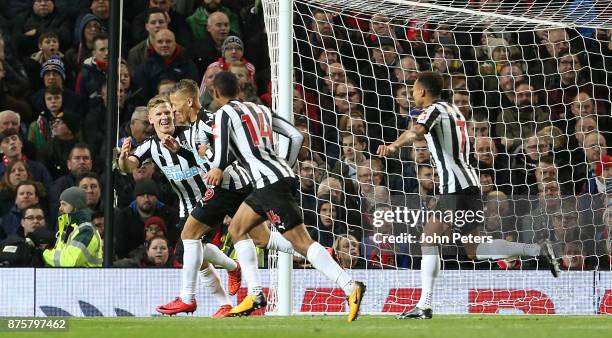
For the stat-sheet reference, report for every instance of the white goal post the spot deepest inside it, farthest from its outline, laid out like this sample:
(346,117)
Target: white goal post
(441,35)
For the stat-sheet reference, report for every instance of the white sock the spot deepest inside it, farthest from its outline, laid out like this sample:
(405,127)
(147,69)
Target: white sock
(278,242)
(214,255)
(500,248)
(322,261)
(430,267)
(247,257)
(192,260)
(210,278)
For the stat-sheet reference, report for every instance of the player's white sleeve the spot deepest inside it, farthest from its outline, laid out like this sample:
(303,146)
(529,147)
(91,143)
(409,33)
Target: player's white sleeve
(285,128)
(143,151)
(429,117)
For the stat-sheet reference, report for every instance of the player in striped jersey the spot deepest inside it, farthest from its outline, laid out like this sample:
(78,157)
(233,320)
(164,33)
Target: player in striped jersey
(443,126)
(185,176)
(184,97)
(244,129)
(222,199)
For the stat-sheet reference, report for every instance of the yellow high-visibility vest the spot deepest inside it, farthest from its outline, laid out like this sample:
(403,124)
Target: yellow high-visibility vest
(83,248)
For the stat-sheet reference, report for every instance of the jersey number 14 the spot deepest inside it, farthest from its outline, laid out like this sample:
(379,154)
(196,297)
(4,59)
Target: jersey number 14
(264,129)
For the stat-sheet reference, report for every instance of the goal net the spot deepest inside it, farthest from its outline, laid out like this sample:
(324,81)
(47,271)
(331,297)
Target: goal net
(532,79)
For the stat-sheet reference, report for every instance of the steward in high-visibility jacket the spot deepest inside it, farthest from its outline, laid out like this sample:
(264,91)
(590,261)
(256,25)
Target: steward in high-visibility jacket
(78,242)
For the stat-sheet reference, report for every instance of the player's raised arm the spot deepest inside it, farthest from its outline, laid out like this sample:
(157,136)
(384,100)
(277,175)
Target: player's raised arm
(126,162)
(283,127)
(407,137)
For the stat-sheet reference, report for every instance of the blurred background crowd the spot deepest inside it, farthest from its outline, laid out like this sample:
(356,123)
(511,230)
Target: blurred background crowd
(537,105)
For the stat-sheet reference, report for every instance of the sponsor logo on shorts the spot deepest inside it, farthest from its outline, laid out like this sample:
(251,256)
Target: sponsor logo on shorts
(275,220)
(209,194)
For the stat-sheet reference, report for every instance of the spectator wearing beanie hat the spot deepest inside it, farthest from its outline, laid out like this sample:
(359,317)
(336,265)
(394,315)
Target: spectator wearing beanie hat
(73,200)
(53,64)
(48,47)
(155,226)
(130,221)
(232,51)
(53,73)
(603,174)
(78,242)
(54,154)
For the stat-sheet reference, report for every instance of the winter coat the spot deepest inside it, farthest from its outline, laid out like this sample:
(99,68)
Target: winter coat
(177,67)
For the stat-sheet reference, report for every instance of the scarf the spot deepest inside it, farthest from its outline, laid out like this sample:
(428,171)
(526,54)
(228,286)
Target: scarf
(7,161)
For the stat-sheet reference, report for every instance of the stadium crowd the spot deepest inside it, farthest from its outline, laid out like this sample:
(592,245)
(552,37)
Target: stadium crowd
(537,105)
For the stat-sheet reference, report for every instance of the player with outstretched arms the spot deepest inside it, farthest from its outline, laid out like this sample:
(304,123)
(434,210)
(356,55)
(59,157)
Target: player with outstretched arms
(443,126)
(185,176)
(244,130)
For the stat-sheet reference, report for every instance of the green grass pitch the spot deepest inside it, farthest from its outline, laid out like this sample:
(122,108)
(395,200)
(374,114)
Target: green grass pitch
(474,326)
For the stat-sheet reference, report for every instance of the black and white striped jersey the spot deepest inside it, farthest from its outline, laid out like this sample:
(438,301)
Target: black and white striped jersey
(181,169)
(244,129)
(234,176)
(448,142)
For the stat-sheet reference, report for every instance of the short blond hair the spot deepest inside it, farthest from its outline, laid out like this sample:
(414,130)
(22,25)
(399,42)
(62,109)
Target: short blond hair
(348,237)
(238,64)
(553,136)
(156,101)
(186,88)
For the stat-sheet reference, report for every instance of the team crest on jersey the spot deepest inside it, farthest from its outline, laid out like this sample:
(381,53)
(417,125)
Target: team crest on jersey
(422,117)
(275,220)
(215,131)
(209,194)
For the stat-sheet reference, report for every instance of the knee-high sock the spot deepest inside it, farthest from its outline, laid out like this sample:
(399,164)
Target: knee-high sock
(247,257)
(192,260)
(500,248)
(214,255)
(322,261)
(280,243)
(210,278)
(430,267)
